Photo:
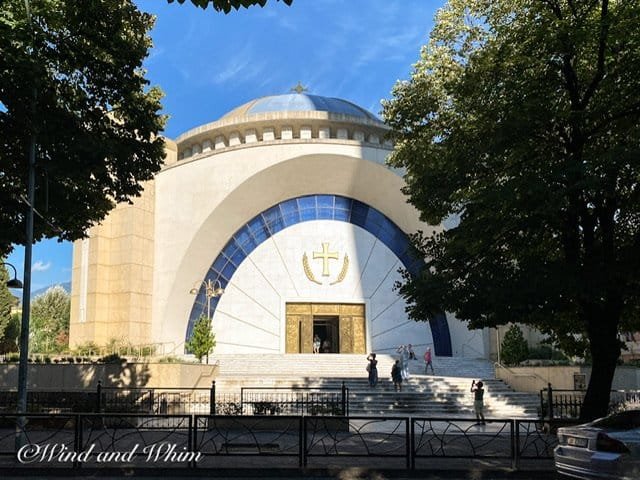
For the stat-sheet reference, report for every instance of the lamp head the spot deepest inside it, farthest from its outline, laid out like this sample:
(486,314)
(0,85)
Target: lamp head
(14,283)
(193,291)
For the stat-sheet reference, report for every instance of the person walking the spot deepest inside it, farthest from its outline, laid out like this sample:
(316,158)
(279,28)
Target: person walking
(396,376)
(428,361)
(404,361)
(478,401)
(372,368)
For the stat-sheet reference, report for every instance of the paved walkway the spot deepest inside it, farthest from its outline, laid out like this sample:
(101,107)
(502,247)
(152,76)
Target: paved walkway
(354,473)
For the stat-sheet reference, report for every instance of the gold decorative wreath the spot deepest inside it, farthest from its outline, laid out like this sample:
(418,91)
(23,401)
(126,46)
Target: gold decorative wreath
(343,272)
(307,270)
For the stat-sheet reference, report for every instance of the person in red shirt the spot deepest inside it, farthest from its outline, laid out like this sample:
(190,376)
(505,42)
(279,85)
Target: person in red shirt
(428,360)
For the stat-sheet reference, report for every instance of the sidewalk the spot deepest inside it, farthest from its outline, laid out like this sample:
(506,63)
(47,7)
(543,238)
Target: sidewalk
(461,470)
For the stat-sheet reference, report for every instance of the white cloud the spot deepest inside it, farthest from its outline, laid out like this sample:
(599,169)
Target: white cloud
(242,67)
(40,266)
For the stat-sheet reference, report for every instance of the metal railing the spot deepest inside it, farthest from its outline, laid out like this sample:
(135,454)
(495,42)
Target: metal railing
(295,400)
(187,441)
(181,401)
(567,404)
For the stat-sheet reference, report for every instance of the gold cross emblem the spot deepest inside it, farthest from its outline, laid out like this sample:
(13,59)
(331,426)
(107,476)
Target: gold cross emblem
(325,255)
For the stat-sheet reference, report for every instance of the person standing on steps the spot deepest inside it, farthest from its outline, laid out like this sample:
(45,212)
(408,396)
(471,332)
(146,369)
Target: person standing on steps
(404,361)
(428,361)
(316,343)
(372,368)
(396,376)
(412,354)
(478,401)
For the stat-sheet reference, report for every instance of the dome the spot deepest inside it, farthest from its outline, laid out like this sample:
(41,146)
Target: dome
(300,102)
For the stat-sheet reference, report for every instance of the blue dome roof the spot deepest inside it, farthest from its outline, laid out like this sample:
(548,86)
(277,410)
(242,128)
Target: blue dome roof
(301,102)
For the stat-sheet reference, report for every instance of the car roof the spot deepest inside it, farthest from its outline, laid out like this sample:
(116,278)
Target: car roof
(626,420)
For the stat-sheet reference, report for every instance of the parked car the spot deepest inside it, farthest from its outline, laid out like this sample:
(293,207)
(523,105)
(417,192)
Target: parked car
(607,448)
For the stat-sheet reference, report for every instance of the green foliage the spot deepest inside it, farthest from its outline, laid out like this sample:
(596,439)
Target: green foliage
(518,127)
(87,349)
(72,76)
(113,358)
(226,5)
(8,332)
(170,359)
(202,339)
(49,327)
(541,352)
(9,341)
(514,347)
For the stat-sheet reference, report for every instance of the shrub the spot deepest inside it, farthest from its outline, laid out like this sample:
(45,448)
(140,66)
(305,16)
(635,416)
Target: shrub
(514,346)
(148,351)
(541,352)
(87,348)
(112,358)
(229,408)
(170,359)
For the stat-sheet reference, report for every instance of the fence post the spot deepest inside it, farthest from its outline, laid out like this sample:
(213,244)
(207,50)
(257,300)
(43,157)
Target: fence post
(212,398)
(515,444)
(550,401)
(344,399)
(99,392)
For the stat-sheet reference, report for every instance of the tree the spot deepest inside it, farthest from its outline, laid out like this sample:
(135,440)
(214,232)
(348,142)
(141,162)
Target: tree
(514,347)
(9,339)
(202,339)
(50,313)
(6,302)
(520,125)
(226,5)
(71,78)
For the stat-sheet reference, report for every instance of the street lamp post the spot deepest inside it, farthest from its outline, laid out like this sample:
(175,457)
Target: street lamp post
(211,290)
(14,282)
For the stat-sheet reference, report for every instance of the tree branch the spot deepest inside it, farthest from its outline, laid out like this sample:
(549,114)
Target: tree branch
(602,45)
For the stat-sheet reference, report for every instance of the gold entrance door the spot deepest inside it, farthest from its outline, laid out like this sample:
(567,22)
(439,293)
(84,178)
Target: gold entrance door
(341,324)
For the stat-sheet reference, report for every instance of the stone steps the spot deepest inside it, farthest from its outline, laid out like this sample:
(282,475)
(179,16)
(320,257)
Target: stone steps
(341,365)
(422,395)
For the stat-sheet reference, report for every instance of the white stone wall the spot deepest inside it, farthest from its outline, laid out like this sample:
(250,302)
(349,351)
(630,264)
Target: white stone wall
(201,203)
(251,314)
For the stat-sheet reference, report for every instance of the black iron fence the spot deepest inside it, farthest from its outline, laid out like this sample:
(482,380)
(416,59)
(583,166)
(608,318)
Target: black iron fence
(201,441)
(567,404)
(294,401)
(201,401)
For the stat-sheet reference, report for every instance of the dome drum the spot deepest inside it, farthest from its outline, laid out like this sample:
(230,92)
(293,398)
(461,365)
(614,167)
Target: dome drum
(289,117)
(255,132)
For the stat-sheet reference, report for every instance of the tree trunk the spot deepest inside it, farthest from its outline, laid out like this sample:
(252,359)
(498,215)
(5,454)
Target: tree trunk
(605,351)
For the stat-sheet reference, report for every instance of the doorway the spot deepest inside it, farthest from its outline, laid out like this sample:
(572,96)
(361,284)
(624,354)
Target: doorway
(327,330)
(343,325)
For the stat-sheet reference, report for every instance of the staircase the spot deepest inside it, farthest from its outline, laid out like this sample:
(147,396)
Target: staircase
(445,394)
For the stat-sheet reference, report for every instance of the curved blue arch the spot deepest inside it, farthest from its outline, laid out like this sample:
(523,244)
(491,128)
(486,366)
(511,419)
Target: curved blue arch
(305,209)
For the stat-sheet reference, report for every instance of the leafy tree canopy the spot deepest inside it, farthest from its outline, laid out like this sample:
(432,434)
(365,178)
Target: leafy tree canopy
(50,313)
(514,347)
(71,74)
(202,340)
(226,5)
(6,302)
(521,126)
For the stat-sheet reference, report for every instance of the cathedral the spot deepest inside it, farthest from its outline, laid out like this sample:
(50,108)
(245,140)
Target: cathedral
(281,222)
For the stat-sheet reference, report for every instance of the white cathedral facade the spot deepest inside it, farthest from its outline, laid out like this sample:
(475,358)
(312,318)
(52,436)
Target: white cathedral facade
(282,222)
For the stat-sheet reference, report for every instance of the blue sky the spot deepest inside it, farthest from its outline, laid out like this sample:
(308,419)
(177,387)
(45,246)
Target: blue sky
(208,63)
